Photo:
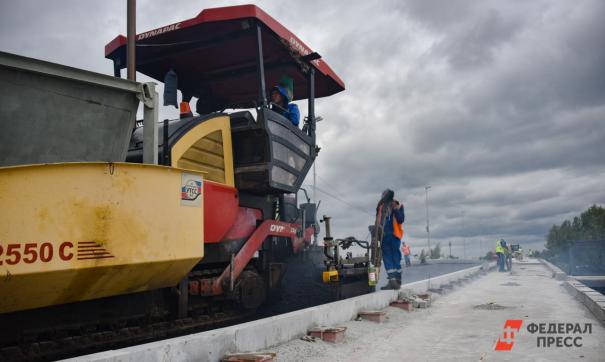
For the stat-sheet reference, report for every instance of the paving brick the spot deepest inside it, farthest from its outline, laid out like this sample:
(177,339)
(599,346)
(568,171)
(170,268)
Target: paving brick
(331,335)
(425,297)
(436,290)
(250,357)
(406,293)
(373,316)
(447,286)
(315,332)
(422,304)
(334,335)
(403,304)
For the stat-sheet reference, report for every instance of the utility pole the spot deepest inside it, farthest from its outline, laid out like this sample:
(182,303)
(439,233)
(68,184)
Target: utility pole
(463,236)
(450,243)
(482,232)
(428,231)
(481,247)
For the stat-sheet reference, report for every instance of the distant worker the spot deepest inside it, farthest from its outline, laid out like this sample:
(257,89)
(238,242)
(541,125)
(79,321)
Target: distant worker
(391,241)
(508,257)
(500,244)
(406,253)
(281,96)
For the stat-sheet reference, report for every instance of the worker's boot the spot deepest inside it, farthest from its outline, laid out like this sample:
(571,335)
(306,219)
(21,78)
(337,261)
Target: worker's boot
(392,285)
(397,282)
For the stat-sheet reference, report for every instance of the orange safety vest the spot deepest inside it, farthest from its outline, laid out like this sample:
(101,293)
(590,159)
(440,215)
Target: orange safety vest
(397,228)
(406,250)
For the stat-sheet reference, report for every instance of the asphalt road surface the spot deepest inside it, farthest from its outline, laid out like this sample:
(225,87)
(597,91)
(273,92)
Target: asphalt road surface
(425,271)
(304,288)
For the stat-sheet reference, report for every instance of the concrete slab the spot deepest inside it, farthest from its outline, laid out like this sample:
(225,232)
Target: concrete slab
(452,329)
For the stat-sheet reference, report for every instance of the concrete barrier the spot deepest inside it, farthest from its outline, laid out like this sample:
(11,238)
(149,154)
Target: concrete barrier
(268,332)
(556,272)
(593,300)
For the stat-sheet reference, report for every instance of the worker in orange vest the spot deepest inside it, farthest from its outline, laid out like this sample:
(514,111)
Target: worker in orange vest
(406,253)
(391,240)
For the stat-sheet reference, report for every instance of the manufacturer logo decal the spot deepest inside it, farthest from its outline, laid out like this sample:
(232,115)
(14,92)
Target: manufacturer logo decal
(92,250)
(276,228)
(301,49)
(45,252)
(159,31)
(191,190)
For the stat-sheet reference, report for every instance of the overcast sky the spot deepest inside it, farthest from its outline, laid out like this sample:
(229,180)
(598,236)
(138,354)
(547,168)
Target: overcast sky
(498,105)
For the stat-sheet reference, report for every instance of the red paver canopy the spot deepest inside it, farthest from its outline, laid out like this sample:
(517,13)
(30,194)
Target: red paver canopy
(214,55)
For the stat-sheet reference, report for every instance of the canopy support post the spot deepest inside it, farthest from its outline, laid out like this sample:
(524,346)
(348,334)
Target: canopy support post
(311,104)
(116,68)
(260,67)
(130,45)
(150,120)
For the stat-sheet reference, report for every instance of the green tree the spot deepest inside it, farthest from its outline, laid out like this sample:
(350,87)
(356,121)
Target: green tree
(436,251)
(590,225)
(489,255)
(422,257)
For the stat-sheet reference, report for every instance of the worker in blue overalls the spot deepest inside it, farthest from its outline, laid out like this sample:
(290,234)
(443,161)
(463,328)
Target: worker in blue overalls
(281,100)
(391,242)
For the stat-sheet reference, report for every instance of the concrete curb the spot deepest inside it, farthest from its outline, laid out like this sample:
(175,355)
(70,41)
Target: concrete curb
(593,300)
(448,261)
(268,332)
(556,272)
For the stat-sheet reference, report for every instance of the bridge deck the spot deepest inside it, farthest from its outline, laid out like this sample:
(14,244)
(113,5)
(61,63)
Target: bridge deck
(463,325)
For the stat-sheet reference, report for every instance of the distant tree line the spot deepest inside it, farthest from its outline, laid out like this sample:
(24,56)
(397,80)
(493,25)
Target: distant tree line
(589,226)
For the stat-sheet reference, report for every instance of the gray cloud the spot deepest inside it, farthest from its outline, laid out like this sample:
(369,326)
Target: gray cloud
(500,106)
